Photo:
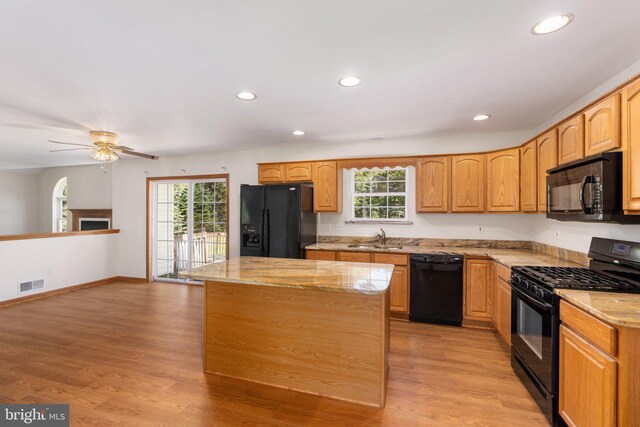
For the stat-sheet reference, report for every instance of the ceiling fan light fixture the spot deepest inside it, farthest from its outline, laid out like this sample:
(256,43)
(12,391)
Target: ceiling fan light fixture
(104,154)
(103,137)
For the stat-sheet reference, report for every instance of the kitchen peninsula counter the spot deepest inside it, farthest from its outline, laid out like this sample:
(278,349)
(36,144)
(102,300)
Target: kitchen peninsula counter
(318,327)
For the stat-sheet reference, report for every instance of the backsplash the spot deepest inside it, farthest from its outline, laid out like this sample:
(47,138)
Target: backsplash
(565,254)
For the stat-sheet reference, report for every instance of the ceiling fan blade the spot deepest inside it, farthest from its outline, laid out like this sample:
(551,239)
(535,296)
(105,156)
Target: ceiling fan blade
(135,153)
(69,149)
(71,143)
(125,148)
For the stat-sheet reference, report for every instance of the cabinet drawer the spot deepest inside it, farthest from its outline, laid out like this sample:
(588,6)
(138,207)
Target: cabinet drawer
(354,256)
(322,255)
(395,259)
(595,330)
(504,273)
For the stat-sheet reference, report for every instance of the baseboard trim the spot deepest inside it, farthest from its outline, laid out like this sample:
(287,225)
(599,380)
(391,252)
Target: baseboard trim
(46,294)
(130,279)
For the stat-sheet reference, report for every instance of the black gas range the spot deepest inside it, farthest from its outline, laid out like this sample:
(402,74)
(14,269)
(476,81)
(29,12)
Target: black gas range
(535,320)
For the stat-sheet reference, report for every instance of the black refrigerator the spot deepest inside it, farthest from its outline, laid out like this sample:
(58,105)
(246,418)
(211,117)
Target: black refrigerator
(277,220)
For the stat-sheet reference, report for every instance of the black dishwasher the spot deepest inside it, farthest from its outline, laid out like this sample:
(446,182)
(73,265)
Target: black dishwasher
(436,288)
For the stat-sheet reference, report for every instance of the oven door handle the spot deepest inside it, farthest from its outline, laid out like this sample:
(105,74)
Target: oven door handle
(541,305)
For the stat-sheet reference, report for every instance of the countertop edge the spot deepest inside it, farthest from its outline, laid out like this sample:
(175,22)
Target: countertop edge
(594,311)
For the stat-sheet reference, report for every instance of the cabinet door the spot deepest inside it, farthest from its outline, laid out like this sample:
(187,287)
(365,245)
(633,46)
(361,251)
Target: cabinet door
(326,187)
(477,273)
(298,172)
(504,318)
(528,177)
(602,126)
(631,138)
(271,173)
(399,290)
(547,159)
(571,140)
(467,183)
(503,181)
(432,184)
(491,293)
(587,382)
(322,255)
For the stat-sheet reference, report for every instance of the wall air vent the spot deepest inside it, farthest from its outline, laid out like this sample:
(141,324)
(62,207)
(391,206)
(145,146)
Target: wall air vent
(31,286)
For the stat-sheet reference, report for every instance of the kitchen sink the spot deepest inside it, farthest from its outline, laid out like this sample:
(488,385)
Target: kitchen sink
(388,246)
(362,245)
(373,246)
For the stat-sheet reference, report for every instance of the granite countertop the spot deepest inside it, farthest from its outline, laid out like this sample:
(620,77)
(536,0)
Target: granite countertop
(612,307)
(362,278)
(506,257)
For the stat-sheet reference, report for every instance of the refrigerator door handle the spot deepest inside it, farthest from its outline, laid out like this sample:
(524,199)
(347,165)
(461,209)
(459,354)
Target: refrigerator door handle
(266,233)
(262,224)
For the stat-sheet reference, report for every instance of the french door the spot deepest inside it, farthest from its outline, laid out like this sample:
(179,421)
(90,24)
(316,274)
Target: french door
(190,218)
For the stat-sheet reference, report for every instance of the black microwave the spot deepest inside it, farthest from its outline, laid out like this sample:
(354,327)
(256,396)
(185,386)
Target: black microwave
(588,190)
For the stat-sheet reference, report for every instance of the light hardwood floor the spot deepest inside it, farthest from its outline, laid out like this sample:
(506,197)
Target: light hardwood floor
(131,354)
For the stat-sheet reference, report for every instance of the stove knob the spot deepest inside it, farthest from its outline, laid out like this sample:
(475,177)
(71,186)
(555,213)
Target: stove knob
(516,279)
(540,292)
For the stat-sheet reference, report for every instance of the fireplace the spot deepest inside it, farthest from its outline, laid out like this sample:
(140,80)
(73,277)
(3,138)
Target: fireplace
(90,219)
(88,224)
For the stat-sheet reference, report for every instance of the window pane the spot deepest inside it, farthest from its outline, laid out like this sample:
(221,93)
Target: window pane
(220,212)
(397,213)
(363,187)
(379,175)
(396,201)
(379,187)
(362,201)
(220,192)
(362,212)
(397,187)
(397,175)
(379,201)
(362,175)
(379,213)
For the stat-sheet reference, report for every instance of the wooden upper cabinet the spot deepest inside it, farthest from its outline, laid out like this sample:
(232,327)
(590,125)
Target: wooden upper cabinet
(528,177)
(326,187)
(631,147)
(588,382)
(432,184)
(503,181)
(273,172)
(298,172)
(547,159)
(467,183)
(571,140)
(602,126)
(477,278)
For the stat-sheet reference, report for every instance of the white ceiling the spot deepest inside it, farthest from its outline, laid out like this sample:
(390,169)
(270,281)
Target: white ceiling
(164,73)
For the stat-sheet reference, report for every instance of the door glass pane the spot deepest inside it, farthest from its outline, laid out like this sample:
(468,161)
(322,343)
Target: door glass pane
(529,328)
(209,222)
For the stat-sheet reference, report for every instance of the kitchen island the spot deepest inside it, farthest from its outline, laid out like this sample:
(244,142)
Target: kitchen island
(319,327)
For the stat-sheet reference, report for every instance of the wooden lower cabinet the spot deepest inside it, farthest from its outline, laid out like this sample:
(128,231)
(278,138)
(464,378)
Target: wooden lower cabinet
(504,310)
(477,275)
(599,370)
(587,382)
(399,284)
(399,292)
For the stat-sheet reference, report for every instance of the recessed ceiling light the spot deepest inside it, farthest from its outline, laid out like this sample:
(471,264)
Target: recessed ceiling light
(350,81)
(481,117)
(298,132)
(552,24)
(246,95)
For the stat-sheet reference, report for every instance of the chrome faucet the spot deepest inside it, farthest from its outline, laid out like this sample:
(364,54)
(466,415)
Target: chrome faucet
(382,237)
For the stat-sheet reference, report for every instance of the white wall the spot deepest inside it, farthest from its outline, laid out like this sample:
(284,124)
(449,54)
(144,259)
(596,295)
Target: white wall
(18,202)
(88,187)
(72,260)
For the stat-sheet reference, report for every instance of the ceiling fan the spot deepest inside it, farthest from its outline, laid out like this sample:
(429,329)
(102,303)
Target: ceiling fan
(105,147)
